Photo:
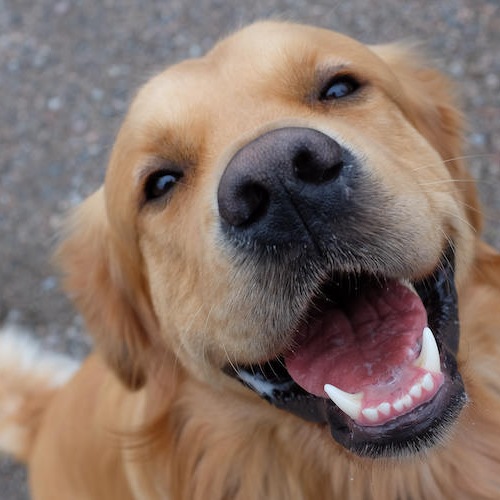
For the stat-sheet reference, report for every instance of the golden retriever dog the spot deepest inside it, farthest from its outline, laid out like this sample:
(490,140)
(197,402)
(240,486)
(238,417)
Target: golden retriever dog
(289,298)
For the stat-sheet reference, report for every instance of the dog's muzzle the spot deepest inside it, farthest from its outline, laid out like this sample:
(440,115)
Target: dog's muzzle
(372,353)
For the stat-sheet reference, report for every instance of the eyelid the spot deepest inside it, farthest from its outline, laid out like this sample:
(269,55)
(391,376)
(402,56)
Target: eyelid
(154,164)
(326,74)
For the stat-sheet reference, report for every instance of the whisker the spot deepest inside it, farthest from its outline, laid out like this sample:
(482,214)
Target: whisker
(454,158)
(233,366)
(448,181)
(461,219)
(203,333)
(187,331)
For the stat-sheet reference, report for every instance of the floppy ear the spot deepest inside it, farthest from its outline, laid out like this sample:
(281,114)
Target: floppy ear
(428,101)
(107,286)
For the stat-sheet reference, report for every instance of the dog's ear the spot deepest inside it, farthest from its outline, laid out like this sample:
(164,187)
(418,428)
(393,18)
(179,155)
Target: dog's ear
(428,101)
(108,288)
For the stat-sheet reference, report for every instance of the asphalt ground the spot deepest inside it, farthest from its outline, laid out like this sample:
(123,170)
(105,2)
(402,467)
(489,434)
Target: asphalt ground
(68,70)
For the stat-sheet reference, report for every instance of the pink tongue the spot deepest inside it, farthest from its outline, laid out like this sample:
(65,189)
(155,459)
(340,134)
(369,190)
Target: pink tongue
(365,344)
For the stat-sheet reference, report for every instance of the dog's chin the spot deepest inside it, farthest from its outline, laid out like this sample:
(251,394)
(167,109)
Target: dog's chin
(374,359)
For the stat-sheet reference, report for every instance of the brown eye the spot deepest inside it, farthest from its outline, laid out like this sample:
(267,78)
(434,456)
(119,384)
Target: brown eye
(340,86)
(159,183)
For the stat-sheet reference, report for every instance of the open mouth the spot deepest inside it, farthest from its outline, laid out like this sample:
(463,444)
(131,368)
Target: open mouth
(375,359)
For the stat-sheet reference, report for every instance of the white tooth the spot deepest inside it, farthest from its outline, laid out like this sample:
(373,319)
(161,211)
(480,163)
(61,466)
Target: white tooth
(384,408)
(407,401)
(429,354)
(348,403)
(398,405)
(416,391)
(370,414)
(428,382)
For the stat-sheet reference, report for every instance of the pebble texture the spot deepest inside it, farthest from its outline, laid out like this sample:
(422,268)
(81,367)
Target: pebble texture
(69,68)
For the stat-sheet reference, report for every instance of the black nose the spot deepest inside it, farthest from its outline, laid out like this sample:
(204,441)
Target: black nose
(284,185)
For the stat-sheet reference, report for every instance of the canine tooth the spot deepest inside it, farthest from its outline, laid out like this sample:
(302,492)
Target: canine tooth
(429,354)
(348,403)
(384,408)
(370,414)
(416,391)
(428,382)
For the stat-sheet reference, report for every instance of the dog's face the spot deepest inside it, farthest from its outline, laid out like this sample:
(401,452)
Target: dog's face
(289,211)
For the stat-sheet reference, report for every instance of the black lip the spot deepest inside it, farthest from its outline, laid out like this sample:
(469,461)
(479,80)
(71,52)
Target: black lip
(409,433)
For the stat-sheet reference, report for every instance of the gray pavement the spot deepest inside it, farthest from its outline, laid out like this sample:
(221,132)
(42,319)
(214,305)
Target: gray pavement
(69,68)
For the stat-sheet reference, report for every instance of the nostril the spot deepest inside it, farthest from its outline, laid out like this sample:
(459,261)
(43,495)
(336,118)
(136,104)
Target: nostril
(246,205)
(255,200)
(316,169)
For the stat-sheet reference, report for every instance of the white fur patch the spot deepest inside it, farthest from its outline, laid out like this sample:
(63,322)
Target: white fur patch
(25,369)
(21,353)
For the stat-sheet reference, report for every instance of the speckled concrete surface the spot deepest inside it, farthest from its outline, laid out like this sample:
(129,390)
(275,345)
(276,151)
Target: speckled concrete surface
(69,68)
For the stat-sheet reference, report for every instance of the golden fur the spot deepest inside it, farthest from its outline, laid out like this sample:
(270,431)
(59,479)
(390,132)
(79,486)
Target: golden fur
(150,414)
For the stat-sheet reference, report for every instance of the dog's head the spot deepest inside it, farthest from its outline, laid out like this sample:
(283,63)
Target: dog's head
(291,211)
